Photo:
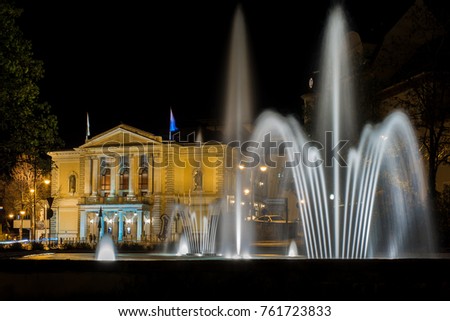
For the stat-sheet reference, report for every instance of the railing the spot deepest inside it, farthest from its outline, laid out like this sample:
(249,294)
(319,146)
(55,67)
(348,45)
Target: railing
(116,200)
(130,240)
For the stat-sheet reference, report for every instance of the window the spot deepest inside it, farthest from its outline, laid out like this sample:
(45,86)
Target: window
(143,178)
(143,161)
(106,179)
(124,173)
(124,179)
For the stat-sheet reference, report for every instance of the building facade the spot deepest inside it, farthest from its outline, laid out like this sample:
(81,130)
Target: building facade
(128,182)
(406,70)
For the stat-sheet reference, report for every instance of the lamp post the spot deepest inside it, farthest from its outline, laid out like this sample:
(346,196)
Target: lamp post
(46,211)
(4,218)
(10,224)
(22,214)
(33,216)
(33,213)
(49,214)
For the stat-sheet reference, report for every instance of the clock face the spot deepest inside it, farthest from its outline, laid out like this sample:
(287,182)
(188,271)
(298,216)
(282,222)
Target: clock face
(311,82)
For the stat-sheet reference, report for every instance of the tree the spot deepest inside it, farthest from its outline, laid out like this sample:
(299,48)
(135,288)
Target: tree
(428,103)
(28,129)
(26,191)
(412,65)
(18,193)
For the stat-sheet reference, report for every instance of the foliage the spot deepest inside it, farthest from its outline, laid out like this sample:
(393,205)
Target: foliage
(28,130)
(76,247)
(428,104)
(17,193)
(37,246)
(413,63)
(13,247)
(133,247)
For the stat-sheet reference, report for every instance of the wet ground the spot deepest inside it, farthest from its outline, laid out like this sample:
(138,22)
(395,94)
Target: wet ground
(142,276)
(140,257)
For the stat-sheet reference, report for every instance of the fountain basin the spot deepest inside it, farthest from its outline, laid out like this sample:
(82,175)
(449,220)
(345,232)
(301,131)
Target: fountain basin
(183,278)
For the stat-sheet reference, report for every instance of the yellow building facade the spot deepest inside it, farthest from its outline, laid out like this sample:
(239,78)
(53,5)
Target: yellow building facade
(127,182)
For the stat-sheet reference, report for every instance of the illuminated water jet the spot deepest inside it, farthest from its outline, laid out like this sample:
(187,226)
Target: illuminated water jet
(367,200)
(106,249)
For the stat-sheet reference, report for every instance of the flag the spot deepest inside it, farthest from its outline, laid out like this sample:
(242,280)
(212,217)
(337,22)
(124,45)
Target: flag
(173,126)
(88,130)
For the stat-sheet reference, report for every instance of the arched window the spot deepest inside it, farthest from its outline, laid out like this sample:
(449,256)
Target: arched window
(106,179)
(124,178)
(143,178)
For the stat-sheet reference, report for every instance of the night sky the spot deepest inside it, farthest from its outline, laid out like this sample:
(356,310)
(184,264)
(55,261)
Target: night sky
(130,61)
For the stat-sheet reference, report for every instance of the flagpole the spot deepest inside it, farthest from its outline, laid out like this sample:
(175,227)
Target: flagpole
(88,131)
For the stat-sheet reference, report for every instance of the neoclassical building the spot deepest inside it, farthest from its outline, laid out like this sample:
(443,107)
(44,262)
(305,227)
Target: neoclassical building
(127,182)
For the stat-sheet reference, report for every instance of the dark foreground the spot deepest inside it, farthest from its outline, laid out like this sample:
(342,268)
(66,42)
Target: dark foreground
(229,280)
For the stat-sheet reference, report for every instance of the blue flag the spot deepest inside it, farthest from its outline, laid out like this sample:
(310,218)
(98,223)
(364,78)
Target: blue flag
(173,127)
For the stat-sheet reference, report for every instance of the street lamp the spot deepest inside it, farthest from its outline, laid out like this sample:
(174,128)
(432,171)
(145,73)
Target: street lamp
(6,220)
(33,217)
(33,214)
(10,224)
(47,211)
(22,214)
(49,214)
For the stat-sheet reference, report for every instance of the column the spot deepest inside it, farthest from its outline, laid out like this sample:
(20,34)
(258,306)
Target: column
(158,173)
(132,174)
(157,182)
(120,234)
(139,225)
(94,186)
(151,172)
(88,176)
(113,168)
(150,229)
(83,220)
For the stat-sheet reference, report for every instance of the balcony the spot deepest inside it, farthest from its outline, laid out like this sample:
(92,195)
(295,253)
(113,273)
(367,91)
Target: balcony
(116,200)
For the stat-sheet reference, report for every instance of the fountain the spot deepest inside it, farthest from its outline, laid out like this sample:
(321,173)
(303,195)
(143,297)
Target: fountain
(106,249)
(369,202)
(199,236)
(238,114)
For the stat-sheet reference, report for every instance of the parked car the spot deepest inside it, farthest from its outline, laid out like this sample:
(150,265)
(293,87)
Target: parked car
(271,218)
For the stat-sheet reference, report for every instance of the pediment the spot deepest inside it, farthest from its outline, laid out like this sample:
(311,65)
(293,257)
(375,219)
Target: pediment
(123,135)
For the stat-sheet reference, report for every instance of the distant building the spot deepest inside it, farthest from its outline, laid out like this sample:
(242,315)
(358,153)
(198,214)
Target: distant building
(412,53)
